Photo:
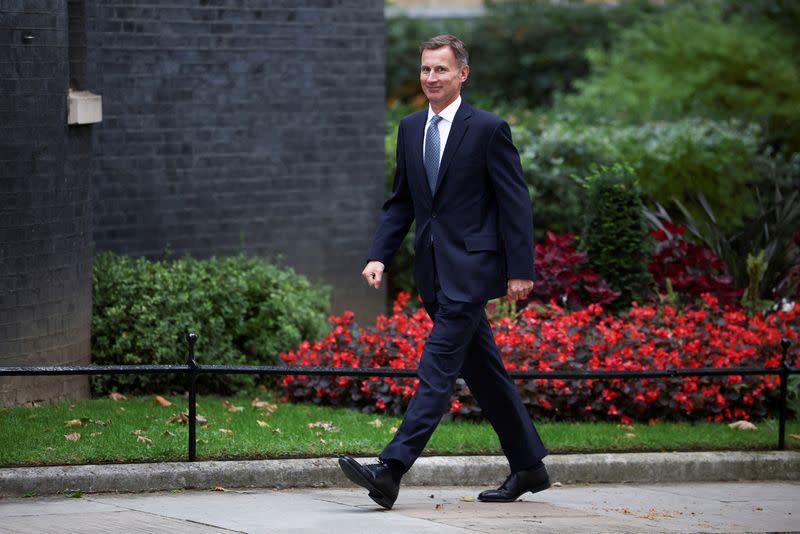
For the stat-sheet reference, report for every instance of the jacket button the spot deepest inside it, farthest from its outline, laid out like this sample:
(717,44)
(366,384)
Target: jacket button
(433,215)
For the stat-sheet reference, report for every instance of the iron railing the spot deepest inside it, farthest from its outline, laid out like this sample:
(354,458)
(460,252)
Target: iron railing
(194,370)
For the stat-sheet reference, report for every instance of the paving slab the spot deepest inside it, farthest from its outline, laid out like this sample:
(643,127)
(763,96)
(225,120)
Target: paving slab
(631,508)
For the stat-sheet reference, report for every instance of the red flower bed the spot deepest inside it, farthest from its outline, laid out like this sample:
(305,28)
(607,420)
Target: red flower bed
(555,339)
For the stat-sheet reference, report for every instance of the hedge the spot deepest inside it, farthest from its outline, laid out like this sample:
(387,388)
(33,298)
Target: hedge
(245,309)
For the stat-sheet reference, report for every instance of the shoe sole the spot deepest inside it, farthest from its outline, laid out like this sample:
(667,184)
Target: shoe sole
(537,489)
(352,470)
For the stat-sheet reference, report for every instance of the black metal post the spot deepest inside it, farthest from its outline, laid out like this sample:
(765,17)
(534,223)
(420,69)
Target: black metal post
(191,337)
(784,377)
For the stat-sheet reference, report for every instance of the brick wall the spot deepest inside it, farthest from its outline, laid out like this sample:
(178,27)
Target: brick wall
(245,125)
(45,208)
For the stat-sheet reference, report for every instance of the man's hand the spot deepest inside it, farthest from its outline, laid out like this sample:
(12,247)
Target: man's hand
(518,289)
(373,272)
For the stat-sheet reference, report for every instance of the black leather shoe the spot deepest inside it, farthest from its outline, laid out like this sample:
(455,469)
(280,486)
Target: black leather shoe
(516,484)
(376,478)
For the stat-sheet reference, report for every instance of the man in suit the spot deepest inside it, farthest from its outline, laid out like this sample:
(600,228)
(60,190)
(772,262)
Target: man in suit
(459,175)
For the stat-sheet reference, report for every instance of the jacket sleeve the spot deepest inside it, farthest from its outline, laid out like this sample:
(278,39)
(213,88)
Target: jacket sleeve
(397,213)
(514,203)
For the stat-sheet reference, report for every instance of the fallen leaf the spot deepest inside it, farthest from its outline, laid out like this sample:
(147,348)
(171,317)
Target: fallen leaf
(263,405)
(95,434)
(143,439)
(468,498)
(226,431)
(377,423)
(168,434)
(99,422)
(219,488)
(743,425)
(161,401)
(72,436)
(556,484)
(76,422)
(261,423)
(276,430)
(393,430)
(183,418)
(322,441)
(137,432)
(230,406)
(625,427)
(794,436)
(630,435)
(117,396)
(324,425)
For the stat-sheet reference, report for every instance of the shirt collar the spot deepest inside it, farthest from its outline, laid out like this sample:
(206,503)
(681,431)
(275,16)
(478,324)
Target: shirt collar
(448,113)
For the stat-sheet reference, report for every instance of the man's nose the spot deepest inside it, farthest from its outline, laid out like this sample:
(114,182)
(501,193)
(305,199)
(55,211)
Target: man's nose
(430,77)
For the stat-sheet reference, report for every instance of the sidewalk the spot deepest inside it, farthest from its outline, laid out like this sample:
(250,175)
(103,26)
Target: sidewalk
(639,508)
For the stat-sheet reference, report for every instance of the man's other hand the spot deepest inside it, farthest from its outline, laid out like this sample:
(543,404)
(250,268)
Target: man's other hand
(373,272)
(518,289)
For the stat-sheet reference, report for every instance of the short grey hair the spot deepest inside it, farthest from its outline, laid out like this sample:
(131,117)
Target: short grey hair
(455,44)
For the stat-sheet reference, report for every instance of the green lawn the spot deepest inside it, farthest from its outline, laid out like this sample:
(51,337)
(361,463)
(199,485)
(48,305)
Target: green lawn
(138,429)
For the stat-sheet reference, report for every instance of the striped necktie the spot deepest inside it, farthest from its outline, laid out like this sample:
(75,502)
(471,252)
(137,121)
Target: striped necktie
(432,142)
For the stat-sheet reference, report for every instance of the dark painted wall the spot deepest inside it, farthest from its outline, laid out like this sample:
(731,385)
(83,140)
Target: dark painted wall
(242,125)
(45,208)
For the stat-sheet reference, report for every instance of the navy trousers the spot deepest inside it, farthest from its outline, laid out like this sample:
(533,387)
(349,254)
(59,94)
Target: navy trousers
(461,342)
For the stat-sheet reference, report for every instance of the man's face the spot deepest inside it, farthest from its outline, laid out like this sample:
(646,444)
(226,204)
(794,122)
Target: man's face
(441,77)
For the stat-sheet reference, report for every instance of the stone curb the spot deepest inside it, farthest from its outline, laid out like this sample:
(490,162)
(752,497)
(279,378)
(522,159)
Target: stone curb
(428,471)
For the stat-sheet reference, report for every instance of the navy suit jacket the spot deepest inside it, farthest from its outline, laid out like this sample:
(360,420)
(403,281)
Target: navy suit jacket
(478,223)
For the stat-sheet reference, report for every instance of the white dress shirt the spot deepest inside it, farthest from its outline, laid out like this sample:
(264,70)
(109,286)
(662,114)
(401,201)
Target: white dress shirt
(447,115)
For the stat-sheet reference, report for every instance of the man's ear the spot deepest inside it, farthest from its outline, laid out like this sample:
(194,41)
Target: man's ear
(464,73)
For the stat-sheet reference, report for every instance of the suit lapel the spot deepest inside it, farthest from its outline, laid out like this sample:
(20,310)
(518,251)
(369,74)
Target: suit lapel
(457,131)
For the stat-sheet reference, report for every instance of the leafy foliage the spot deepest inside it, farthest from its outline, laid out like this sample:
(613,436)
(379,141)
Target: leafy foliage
(521,50)
(615,234)
(245,309)
(673,160)
(698,59)
(686,269)
(564,277)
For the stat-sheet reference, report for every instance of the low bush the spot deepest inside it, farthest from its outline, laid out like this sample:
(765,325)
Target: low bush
(673,160)
(552,338)
(245,309)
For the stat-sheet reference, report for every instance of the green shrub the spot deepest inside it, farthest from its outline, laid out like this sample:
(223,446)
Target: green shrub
(673,160)
(244,310)
(698,59)
(615,234)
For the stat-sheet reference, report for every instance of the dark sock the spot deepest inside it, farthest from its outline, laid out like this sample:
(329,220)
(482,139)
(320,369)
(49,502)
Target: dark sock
(397,469)
(537,465)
